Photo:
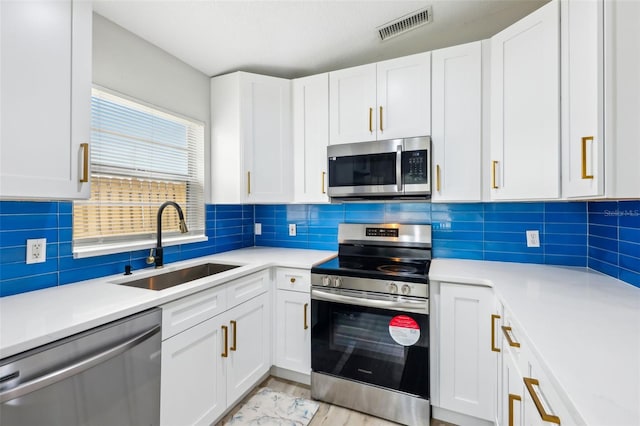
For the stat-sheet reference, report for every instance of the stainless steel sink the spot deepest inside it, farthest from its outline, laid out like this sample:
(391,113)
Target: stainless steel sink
(181,276)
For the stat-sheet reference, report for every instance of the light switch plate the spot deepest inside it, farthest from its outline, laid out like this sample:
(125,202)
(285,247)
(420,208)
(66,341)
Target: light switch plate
(257,229)
(533,238)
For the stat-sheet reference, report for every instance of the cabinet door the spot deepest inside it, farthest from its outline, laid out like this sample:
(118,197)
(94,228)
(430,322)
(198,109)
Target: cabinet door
(404,97)
(249,345)
(352,104)
(525,108)
(265,103)
(456,136)
(467,363)
(513,390)
(310,138)
(582,98)
(45,99)
(293,331)
(193,385)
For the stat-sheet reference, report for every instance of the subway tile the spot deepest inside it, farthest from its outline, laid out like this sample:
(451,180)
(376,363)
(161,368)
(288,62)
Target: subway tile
(509,227)
(510,237)
(407,217)
(68,262)
(13,254)
(511,247)
(554,217)
(228,223)
(525,217)
(566,207)
(574,239)
(23,270)
(458,254)
(31,283)
(602,206)
(609,219)
(603,266)
(630,277)
(565,249)
(457,235)
(629,234)
(514,257)
(603,243)
(323,246)
(603,231)
(65,207)
(566,228)
(36,221)
(565,260)
(364,216)
(28,207)
(630,262)
(19,238)
(458,245)
(514,207)
(607,256)
(90,272)
(457,216)
(458,207)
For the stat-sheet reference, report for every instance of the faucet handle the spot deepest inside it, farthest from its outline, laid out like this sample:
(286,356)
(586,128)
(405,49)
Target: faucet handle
(150,259)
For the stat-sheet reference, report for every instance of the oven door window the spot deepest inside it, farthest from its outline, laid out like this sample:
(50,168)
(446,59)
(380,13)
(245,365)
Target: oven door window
(357,343)
(363,170)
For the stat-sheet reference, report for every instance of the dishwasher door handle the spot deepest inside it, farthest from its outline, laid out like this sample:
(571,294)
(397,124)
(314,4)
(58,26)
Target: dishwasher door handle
(75,368)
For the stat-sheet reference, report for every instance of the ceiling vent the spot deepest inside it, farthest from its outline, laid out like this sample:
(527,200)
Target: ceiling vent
(405,23)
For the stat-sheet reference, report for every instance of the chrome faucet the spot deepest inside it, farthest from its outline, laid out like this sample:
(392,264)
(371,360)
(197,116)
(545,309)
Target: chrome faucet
(157,257)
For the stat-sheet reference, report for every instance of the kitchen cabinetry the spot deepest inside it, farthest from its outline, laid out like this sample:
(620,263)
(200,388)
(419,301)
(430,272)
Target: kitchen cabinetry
(310,97)
(525,108)
(582,29)
(385,100)
(293,320)
(216,345)
(466,351)
(45,99)
(457,99)
(622,98)
(250,139)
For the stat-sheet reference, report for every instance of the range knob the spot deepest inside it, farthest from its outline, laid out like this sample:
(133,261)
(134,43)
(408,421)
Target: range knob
(406,289)
(337,282)
(393,288)
(326,280)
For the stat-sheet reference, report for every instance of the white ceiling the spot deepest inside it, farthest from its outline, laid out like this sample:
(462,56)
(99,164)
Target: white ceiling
(302,37)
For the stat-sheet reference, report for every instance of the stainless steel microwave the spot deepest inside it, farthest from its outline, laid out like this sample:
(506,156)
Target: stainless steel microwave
(396,168)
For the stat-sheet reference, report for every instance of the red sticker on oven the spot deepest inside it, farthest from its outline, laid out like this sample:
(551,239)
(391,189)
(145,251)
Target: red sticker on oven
(404,330)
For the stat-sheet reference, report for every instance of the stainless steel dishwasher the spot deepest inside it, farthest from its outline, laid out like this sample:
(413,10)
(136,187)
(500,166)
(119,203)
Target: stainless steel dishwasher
(109,375)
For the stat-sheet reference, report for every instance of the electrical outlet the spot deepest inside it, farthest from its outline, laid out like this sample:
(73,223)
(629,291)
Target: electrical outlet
(37,250)
(533,238)
(292,229)
(257,229)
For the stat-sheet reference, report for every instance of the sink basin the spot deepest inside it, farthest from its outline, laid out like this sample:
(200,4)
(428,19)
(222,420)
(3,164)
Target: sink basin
(181,276)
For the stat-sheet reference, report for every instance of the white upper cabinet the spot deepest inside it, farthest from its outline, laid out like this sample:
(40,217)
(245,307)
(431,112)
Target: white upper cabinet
(250,139)
(387,100)
(622,98)
(310,138)
(582,98)
(45,96)
(525,108)
(456,135)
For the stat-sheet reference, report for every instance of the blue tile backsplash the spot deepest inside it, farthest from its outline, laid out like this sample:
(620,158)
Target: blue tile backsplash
(228,227)
(604,236)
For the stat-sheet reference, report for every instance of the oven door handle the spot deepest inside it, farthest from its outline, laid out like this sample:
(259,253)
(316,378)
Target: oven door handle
(415,306)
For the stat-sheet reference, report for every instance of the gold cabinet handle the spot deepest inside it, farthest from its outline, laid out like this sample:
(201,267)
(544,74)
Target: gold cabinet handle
(293,280)
(234,325)
(494,163)
(381,129)
(225,331)
(584,157)
(370,120)
(507,334)
(85,162)
(531,384)
(248,182)
(493,333)
(438,177)
(306,326)
(512,398)
(322,188)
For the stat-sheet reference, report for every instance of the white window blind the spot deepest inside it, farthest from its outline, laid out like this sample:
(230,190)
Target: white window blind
(140,158)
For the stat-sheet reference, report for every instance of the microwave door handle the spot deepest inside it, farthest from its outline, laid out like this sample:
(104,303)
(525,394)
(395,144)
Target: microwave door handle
(399,167)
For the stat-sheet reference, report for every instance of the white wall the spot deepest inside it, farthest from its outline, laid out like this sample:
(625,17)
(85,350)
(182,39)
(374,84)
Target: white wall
(126,63)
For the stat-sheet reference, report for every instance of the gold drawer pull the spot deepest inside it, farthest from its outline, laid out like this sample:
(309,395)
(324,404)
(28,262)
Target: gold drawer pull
(438,177)
(494,185)
(306,326)
(584,157)
(512,398)
(493,333)
(248,182)
(381,129)
(507,334)
(234,346)
(370,120)
(85,162)
(225,331)
(323,175)
(531,385)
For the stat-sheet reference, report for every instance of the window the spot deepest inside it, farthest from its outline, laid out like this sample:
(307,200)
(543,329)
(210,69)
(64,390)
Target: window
(140,158)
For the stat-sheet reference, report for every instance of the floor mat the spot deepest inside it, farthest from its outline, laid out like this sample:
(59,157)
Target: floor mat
(269,407)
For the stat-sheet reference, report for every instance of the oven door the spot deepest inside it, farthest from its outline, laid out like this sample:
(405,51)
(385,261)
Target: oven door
(365,169)
(370,341)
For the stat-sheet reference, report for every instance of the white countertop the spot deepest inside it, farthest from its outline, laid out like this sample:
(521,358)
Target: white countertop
(584,327)
(35,318)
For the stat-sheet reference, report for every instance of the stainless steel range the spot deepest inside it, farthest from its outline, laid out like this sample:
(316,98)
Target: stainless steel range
(370,316)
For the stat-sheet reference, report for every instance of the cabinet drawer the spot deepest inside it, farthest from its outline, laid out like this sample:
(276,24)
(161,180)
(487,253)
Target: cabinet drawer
(293,279)
(245,288)
(184,313)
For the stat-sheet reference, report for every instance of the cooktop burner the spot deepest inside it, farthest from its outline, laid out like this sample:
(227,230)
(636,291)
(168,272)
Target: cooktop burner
(397,269)
(349,264)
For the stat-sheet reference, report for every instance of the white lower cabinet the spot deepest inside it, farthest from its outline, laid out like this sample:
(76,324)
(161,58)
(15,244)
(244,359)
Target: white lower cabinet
(209,366)
(293,320)
(466,361)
